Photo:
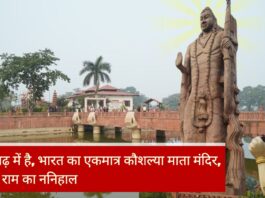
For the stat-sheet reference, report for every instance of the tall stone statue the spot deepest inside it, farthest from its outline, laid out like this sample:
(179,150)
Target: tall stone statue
(208,101)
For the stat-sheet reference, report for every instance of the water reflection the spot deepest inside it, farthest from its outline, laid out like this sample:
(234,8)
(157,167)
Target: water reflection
(26,195)
(94,194)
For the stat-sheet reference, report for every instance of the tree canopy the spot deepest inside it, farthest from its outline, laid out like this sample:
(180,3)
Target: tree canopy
(137,100)
(171,102)
(98,71)
(251,98)
(32,70)
(4,91)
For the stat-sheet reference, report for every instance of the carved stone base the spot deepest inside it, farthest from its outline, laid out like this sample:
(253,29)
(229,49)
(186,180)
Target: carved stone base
(136,134)
(81,128)
(96,129)
(96,137)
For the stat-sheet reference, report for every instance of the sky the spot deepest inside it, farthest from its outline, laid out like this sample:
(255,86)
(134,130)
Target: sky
(139,38)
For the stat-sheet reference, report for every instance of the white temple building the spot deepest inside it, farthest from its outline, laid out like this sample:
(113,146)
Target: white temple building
(107,97)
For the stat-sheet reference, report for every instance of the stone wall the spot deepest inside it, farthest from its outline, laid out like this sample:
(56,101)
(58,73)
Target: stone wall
(254,122)
(37,120)
(161,120)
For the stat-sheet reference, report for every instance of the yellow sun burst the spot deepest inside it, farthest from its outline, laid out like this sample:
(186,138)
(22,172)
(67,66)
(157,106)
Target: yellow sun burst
(187,28)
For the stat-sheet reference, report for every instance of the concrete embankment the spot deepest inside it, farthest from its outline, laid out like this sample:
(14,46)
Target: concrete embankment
(13,135)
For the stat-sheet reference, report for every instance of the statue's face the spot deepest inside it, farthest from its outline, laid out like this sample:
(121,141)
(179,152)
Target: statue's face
(207,21)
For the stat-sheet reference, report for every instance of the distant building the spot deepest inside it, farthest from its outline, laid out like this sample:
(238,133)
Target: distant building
(107,97)
(54,99)
(152,104)
(26,97)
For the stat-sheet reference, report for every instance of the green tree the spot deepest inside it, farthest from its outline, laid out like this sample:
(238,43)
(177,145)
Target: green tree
(251,98)
(97,71)
(171,102)
(137,100)
(5,103)
(33,70)
(4,91)
(62,102)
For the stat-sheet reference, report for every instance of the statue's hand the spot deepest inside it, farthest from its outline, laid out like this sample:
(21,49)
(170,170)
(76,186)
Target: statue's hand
(179,63)
(179,60)
(226,43)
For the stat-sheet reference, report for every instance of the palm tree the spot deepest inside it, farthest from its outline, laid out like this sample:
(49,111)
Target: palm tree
(97,71)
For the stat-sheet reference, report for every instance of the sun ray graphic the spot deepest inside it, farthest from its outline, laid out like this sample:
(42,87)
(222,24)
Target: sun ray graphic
(180,39)
(185,9)
(197,4)
(187,27)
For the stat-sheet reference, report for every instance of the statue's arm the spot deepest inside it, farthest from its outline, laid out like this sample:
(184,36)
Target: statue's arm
(185,80)
(230,89)
(186,76)
(185,69)
(185,84)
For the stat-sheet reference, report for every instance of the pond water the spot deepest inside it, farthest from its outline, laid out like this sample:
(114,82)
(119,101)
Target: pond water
(108,135)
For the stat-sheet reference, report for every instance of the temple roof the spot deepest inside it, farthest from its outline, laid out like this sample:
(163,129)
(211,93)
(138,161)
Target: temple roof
(105,90)
(102,88)
(152,99)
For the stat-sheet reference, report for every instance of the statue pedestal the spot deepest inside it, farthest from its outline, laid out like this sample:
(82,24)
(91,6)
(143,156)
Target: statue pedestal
(136,135)
(96,137)
(261,168)
(80,128)
(257,148)
(96,130)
